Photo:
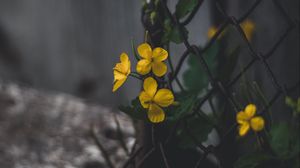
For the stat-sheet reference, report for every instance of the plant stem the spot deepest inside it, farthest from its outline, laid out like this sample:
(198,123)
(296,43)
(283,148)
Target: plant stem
(135,76)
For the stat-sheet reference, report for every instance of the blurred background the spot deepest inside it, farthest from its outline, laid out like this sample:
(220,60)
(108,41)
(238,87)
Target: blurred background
(56,60)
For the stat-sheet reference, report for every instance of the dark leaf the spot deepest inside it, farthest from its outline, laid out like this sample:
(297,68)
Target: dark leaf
(136,111)
(199,127)
(186,103)
(172,33)
(195,79)
(183,7)
(251,160)
(284,140)
(229,63)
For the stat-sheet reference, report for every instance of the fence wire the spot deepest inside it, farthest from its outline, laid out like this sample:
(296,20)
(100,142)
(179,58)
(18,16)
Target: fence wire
(217,86)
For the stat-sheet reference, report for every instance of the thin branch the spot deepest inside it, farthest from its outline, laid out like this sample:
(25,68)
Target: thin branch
(120,135)
(101,147)
(146,156)
(163,155)
(132,157)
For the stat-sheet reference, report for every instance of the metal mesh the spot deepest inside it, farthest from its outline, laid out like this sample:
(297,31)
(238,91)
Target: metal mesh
(217,85)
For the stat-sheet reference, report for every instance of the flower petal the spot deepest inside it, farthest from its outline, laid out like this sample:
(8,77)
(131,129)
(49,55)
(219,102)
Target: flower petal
(211,32)
(124,57)
(118,75)
(257,123)
(243,129)
(118,83)
(156,114)
(248,27)
(250,110)
(145,99)
(164,97)
(150,86)
(159,68)
(159,54)
(121,68)
(143,66)
(125,62)
(145,51)
(242,117)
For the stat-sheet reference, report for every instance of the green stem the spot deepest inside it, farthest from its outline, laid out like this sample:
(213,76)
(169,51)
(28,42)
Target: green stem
(133,50)
(261,95)
(135,76)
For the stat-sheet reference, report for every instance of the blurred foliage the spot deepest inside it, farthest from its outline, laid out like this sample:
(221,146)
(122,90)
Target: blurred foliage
(194,78)
(172,33)
(184,7)
(278,144)
(293,104)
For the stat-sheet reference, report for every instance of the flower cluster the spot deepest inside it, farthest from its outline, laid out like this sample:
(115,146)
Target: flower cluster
(247,119)
(152,98)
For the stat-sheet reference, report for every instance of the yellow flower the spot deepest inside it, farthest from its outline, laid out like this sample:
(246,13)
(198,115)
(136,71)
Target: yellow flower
(153,99)
(248,27)
(151,60)
(247,119)
(212,31)
(121,71)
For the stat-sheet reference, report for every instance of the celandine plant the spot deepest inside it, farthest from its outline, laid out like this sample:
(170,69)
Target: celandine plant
(248,134)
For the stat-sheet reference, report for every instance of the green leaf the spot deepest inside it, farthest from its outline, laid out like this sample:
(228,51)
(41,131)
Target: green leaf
(194,78)
(284,140)
(199,127)
(280,139)
(183,7)
(229,63)
(172,33)
(186,103)
(175,36)
(290,102)
(251,160)
(294,104)
(136,111)
(210,56)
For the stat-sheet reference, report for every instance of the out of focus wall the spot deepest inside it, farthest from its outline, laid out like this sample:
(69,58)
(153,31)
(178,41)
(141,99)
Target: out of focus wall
(72,45)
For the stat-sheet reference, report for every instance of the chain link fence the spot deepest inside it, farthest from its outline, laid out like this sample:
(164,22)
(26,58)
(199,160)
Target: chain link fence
(218,87)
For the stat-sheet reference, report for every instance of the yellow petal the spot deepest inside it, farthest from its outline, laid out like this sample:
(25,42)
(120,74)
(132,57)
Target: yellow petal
(118,75)
(143,66)
(159,68)
(211,32)
(248,27)
(121,68)
(250,110)
(128,68)
(118,83)
(164,97)
(156,114)
(150,86)
(125,63)
(242,117)
(145,51)
(257,123)
(145,99)
(243,129)
(159,54)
